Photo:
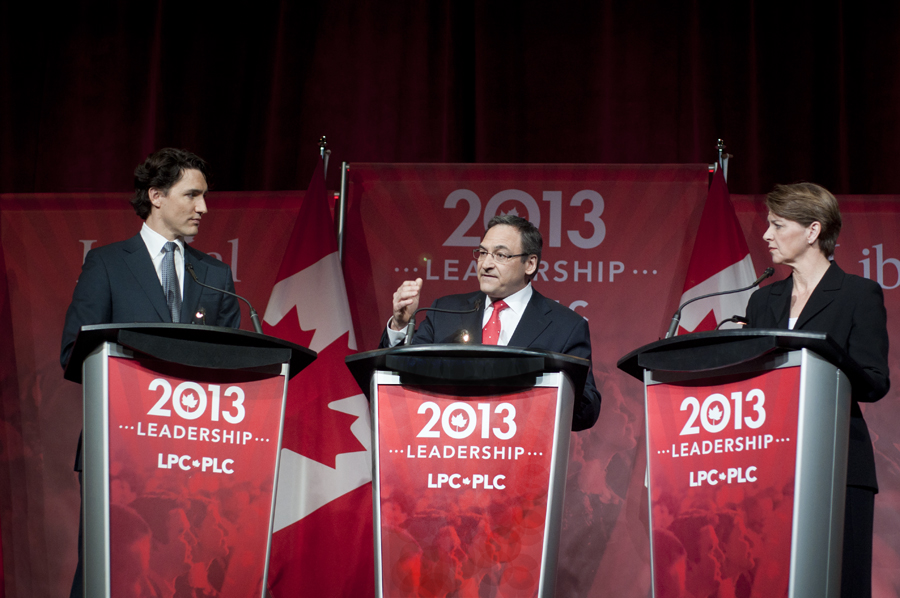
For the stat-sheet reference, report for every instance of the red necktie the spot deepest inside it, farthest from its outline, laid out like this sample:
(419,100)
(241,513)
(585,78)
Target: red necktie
(491,333)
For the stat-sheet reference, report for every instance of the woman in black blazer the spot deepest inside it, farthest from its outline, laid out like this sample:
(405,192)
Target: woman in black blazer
(804,223)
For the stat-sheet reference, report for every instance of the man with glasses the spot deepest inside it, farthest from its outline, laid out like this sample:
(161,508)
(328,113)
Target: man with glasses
(506,311)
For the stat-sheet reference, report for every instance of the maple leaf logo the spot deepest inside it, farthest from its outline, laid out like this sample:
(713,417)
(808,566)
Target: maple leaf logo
(511,212)
(316,387)
(195,463)
(189,401)
(466,481)
(715,414)
(458,421)
(319,284)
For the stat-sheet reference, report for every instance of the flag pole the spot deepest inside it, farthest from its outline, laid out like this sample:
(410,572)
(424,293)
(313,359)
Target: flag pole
(324,153)
(340,210)
(723,158)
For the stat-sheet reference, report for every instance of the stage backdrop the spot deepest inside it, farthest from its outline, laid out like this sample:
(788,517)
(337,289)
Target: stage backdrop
(44,241)
(617,243)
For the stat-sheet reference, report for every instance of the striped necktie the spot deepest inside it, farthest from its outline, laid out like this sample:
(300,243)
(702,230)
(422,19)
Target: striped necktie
(170,281)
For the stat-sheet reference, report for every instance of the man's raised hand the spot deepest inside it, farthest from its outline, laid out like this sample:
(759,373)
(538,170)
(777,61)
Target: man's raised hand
(406,302)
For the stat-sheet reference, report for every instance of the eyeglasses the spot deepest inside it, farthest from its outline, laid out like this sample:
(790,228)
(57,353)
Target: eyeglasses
(499,256)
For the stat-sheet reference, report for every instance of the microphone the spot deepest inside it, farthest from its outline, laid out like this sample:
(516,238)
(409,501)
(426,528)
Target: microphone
(735,319)
(411,327)
(673,327)
(462,337)
(253,315)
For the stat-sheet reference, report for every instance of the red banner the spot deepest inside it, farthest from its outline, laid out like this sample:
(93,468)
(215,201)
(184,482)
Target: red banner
(463,488)
(45,238)
(399,214)
(617,240)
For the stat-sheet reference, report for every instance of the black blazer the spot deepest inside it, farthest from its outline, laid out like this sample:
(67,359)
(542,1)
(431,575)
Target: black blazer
(545,324)
(851,310)
(119,285)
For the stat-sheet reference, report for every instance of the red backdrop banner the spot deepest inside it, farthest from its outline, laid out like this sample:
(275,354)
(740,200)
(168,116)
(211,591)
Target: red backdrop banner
(616,244)
(616,249)
(45,238)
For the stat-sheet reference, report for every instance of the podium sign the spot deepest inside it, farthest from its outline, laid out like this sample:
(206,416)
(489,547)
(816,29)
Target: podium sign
(182,429)
(714,445)
(467,488)
(191,441)
(747,436)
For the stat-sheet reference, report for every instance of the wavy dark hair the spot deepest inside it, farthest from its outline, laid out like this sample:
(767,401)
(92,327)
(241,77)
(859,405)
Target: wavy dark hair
(162,170)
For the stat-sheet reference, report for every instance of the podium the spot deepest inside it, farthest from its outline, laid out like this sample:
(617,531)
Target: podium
(470,452)
(747,438)
(182,431)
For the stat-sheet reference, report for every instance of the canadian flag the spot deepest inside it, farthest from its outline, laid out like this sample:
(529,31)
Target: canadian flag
(720,261)
(323,541)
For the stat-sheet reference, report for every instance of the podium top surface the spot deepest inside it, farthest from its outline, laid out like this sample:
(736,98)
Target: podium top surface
(709,351)
(192,345)
(466,364)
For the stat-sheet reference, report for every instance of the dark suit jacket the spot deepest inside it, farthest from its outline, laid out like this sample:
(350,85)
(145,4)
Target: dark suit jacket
(119,285)
(851,310)
(545,324)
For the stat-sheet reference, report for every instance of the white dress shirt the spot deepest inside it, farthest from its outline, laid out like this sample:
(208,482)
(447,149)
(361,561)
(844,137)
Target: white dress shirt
(154,242)
(509,318)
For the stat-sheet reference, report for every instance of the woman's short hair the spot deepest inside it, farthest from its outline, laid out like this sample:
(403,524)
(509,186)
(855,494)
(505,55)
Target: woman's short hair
(806,203)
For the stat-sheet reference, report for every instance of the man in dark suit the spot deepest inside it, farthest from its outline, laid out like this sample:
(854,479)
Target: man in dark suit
(142,279)
(121,282)
(506,311)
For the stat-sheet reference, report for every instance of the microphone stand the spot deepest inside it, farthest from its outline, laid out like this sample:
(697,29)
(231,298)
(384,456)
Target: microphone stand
(254,317)
(673,327)
(411,327)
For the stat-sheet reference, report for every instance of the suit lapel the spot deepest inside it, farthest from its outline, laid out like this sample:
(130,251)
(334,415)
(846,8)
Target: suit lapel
(472,322)
(532,323)
(780,305)
(190,303)
(138,261)
(822,295)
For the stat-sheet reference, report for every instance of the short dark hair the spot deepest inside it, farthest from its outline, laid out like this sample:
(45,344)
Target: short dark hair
(162,170)
(532,241)
(805,203)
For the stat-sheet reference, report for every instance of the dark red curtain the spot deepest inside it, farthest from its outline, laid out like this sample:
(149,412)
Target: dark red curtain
(800,90)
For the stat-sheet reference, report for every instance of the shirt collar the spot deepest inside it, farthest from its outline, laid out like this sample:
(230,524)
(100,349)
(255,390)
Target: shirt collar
(155,241)
(517,301)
